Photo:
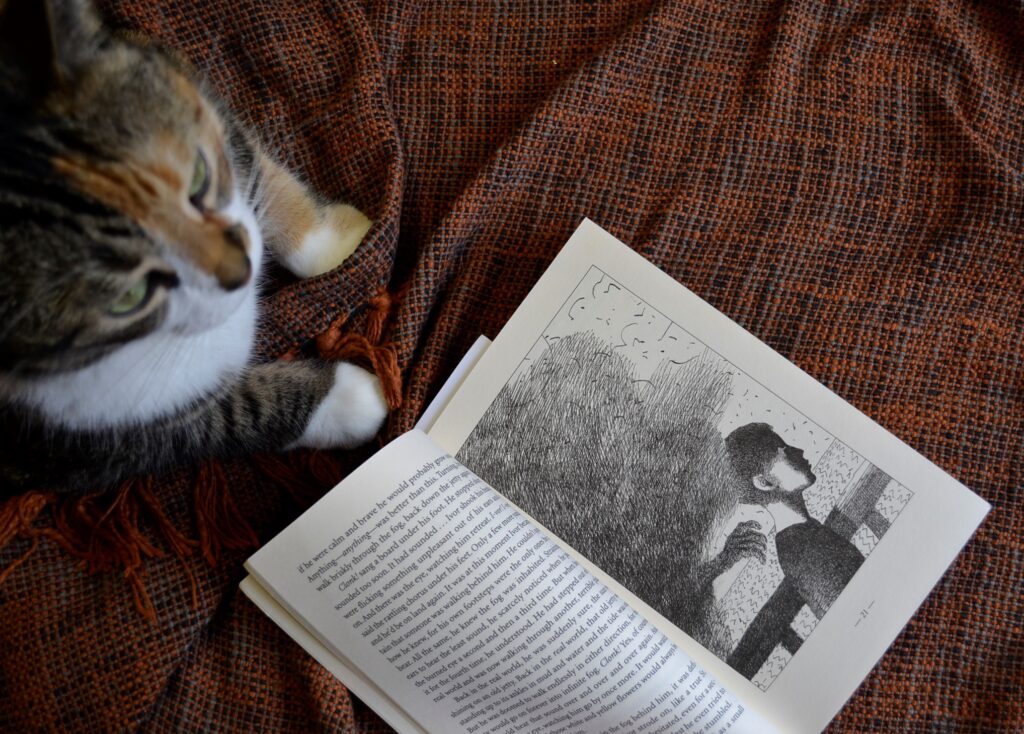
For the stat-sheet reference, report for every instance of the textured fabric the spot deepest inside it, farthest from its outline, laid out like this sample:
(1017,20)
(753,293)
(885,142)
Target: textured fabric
(845,180)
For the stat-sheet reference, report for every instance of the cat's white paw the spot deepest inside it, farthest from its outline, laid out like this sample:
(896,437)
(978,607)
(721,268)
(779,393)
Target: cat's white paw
(350,414)
(327,245)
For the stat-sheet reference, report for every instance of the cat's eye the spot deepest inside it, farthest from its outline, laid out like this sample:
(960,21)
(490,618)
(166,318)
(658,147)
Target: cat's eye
(133,299)
(200,183)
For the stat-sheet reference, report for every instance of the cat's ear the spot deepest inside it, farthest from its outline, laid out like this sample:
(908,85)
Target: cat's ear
(48,41)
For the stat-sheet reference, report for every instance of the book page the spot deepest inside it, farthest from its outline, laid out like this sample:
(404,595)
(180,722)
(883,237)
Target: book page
(469,618)
(370,693)
(773,531)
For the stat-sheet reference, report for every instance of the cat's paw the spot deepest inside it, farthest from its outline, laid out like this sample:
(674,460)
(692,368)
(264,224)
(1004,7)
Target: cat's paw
(350,414)
(326,246)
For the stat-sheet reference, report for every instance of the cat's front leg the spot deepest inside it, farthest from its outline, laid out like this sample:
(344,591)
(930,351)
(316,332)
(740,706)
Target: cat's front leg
(307,404)
(279,405)
(308,237)
(311,237)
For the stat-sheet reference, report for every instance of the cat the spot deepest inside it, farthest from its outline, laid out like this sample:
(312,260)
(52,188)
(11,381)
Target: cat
(134,215)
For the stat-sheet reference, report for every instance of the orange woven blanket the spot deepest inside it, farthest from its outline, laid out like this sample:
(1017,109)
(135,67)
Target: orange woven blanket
(845,179)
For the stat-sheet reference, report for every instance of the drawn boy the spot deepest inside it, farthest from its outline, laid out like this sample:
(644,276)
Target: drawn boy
(815,559)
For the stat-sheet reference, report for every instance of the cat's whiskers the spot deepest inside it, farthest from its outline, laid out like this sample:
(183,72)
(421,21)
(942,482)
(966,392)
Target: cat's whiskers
(263,201)
(273,141)
(130,371)
(180,352)
(249,190)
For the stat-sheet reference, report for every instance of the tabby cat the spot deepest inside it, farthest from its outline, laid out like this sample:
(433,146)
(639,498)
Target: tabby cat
(133,217)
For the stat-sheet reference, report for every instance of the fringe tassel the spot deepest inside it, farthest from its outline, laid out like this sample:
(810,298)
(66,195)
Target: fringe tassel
(306,474)
(103,530)
(220,523)
(16,517)
(366,348)
(284,471)
(180,545)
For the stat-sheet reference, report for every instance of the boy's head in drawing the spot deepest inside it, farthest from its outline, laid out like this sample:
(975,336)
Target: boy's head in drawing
(771,466)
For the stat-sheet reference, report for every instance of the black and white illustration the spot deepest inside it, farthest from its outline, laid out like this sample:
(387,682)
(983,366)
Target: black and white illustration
(687,480)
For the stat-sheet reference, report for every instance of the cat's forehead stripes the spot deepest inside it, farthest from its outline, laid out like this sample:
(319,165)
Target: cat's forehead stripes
(151,194)
(149,183)
(108,183)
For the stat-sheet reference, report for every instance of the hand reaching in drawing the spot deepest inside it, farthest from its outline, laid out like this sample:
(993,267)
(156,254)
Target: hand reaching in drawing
(745,541)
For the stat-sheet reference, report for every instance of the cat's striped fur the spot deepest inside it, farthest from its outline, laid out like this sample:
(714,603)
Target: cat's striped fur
(133,218)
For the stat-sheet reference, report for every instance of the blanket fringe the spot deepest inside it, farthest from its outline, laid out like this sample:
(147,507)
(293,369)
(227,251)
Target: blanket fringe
(218,520)
(17,516)
(335,344)
(103,530)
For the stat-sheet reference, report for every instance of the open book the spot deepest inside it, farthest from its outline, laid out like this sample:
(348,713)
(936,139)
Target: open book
(630,516)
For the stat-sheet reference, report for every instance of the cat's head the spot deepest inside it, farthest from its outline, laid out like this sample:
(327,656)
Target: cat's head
(122,193)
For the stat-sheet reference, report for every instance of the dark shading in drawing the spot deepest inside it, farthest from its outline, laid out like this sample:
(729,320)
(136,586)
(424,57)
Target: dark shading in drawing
(600,460)
(693,485)
(815,558)
(816,561)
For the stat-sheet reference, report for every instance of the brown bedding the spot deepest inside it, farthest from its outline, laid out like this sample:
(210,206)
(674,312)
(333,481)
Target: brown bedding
(845,180)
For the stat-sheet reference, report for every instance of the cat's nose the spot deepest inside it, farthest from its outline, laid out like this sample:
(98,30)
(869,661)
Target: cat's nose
(235,268)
